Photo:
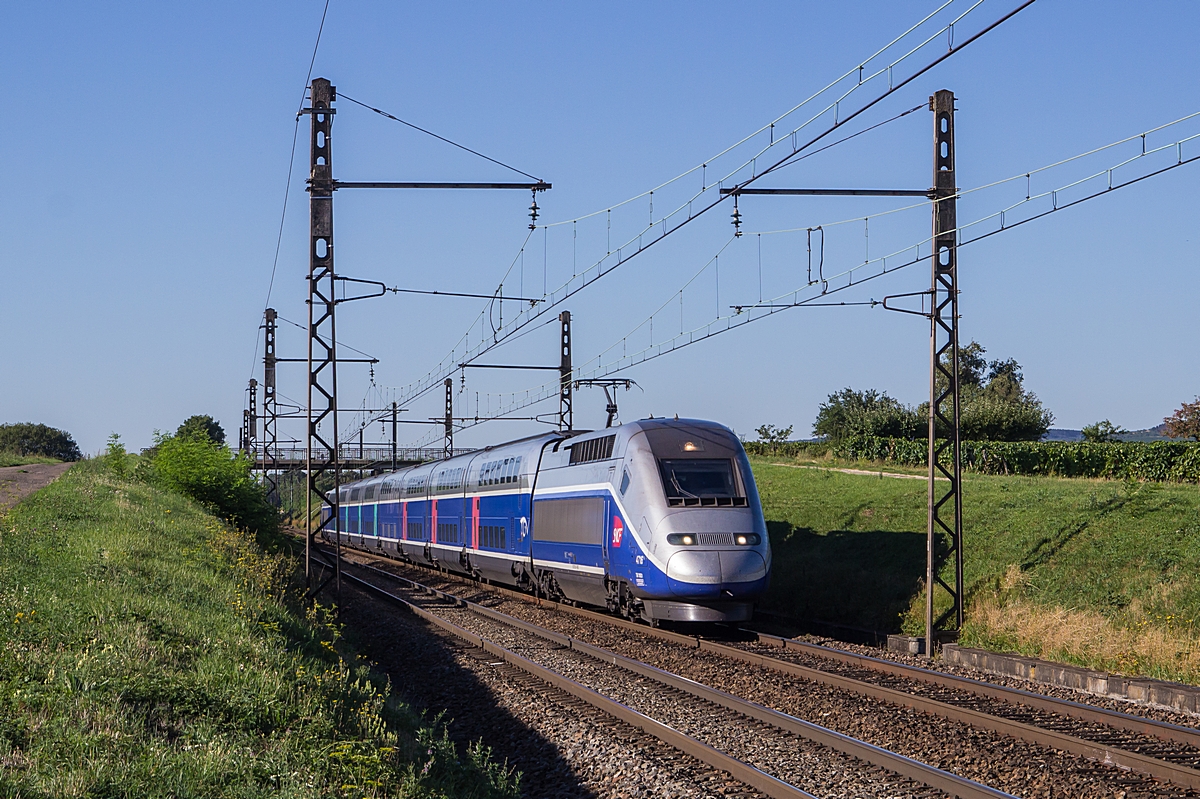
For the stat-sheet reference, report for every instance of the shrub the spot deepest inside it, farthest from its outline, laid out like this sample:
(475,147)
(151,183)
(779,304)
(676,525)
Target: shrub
(27,438)
(1159,461)
(211,474)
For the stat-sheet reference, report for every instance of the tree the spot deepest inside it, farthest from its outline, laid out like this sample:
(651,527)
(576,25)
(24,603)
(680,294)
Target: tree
(1005,380)
(864,413)
(203,427)
(1103,432)
(770,434)
(971,365)
(1185,422)
(27,438)
(994,403)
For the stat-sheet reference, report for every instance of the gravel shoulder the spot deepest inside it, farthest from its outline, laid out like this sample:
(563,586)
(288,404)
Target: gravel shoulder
(994,759)
(561,747)
(18,482)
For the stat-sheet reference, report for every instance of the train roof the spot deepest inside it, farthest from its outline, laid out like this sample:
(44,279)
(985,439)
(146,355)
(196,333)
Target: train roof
(622,431)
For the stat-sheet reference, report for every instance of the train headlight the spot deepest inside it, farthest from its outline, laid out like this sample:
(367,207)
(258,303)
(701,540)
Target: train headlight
(681,539)
(747,539)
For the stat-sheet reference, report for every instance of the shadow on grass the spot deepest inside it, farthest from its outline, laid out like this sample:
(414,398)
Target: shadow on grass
(1045,548)
(860,579)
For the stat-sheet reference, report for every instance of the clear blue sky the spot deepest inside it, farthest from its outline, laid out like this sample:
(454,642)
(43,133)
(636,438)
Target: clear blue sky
(147,147)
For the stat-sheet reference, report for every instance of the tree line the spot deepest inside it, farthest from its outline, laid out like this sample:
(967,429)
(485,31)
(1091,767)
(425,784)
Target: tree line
(994,405)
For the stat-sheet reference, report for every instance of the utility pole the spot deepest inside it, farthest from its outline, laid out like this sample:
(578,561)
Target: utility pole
(449,423)
(321,449)
(566,415)
(394,436)
(270,439)
(945,505)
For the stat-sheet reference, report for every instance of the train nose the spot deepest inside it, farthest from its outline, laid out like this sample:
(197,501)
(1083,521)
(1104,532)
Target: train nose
(689,570)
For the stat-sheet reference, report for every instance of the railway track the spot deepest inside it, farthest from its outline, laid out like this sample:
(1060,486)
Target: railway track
(1152,752)
(772,753)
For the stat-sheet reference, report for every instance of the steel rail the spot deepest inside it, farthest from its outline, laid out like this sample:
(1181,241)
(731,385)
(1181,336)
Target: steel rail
(1050,704)
(930,776)
(739,770)
(1109,755)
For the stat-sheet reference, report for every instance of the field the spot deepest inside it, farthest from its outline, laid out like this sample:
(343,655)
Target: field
(147,649)
(13,459)
(1098,573)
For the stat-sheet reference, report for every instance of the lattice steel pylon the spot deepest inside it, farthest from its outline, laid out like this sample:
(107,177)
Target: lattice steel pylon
(566,413)
(321,449)
(270,410)
(945,506)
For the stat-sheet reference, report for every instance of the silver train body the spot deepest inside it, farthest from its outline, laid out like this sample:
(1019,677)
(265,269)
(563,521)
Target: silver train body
(658,519)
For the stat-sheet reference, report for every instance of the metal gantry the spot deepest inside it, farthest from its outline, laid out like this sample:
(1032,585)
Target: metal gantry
(566,412)
(250,427)
(322,332)
(270,410)
(322,410)
(449,421)
(945,503)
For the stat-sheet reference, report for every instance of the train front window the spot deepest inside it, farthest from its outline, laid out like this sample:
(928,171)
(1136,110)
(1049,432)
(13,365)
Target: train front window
(700,481)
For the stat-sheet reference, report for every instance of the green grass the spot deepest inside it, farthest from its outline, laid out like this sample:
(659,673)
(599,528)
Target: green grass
(13,459)
(1101,573)
(148,650)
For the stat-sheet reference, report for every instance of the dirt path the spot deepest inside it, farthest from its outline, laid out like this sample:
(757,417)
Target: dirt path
(16,482)
(896,475)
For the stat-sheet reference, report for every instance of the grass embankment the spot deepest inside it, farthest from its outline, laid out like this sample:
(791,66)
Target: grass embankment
(13,459)
(147,649)
(1100,573)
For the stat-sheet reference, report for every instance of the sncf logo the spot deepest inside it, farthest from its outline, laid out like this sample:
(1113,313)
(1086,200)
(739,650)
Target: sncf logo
(618,531)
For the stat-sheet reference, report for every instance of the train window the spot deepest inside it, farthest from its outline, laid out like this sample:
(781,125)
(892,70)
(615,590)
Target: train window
(369,493)
(354,494)
(491,536)
(624,482)
(700,481)
(447,533)
(416,531)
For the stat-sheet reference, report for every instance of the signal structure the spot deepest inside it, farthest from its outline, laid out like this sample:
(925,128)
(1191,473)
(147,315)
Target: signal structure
(322,410)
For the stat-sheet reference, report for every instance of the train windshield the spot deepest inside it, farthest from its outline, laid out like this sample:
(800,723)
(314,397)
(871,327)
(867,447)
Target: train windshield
(699,481)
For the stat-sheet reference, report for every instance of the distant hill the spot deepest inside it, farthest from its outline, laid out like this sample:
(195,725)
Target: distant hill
(1057,434)
(1156,433)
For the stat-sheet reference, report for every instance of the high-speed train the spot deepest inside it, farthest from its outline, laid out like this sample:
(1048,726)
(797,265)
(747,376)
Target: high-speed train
(658,519)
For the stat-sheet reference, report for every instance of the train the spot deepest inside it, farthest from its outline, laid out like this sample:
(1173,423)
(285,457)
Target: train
(656,519)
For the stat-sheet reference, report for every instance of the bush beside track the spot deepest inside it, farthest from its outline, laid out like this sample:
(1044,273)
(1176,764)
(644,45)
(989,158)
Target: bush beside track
(1103,574)
(1157,461)
(149,649)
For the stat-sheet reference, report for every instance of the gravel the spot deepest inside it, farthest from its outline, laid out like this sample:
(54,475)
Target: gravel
(997,760)
(561,746)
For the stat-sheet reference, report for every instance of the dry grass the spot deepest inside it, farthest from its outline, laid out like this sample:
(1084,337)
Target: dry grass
(1139,644)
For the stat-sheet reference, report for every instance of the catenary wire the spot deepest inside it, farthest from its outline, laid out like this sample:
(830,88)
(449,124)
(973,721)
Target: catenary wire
(385,114)
(771,307)
(288,185)
(433,378)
